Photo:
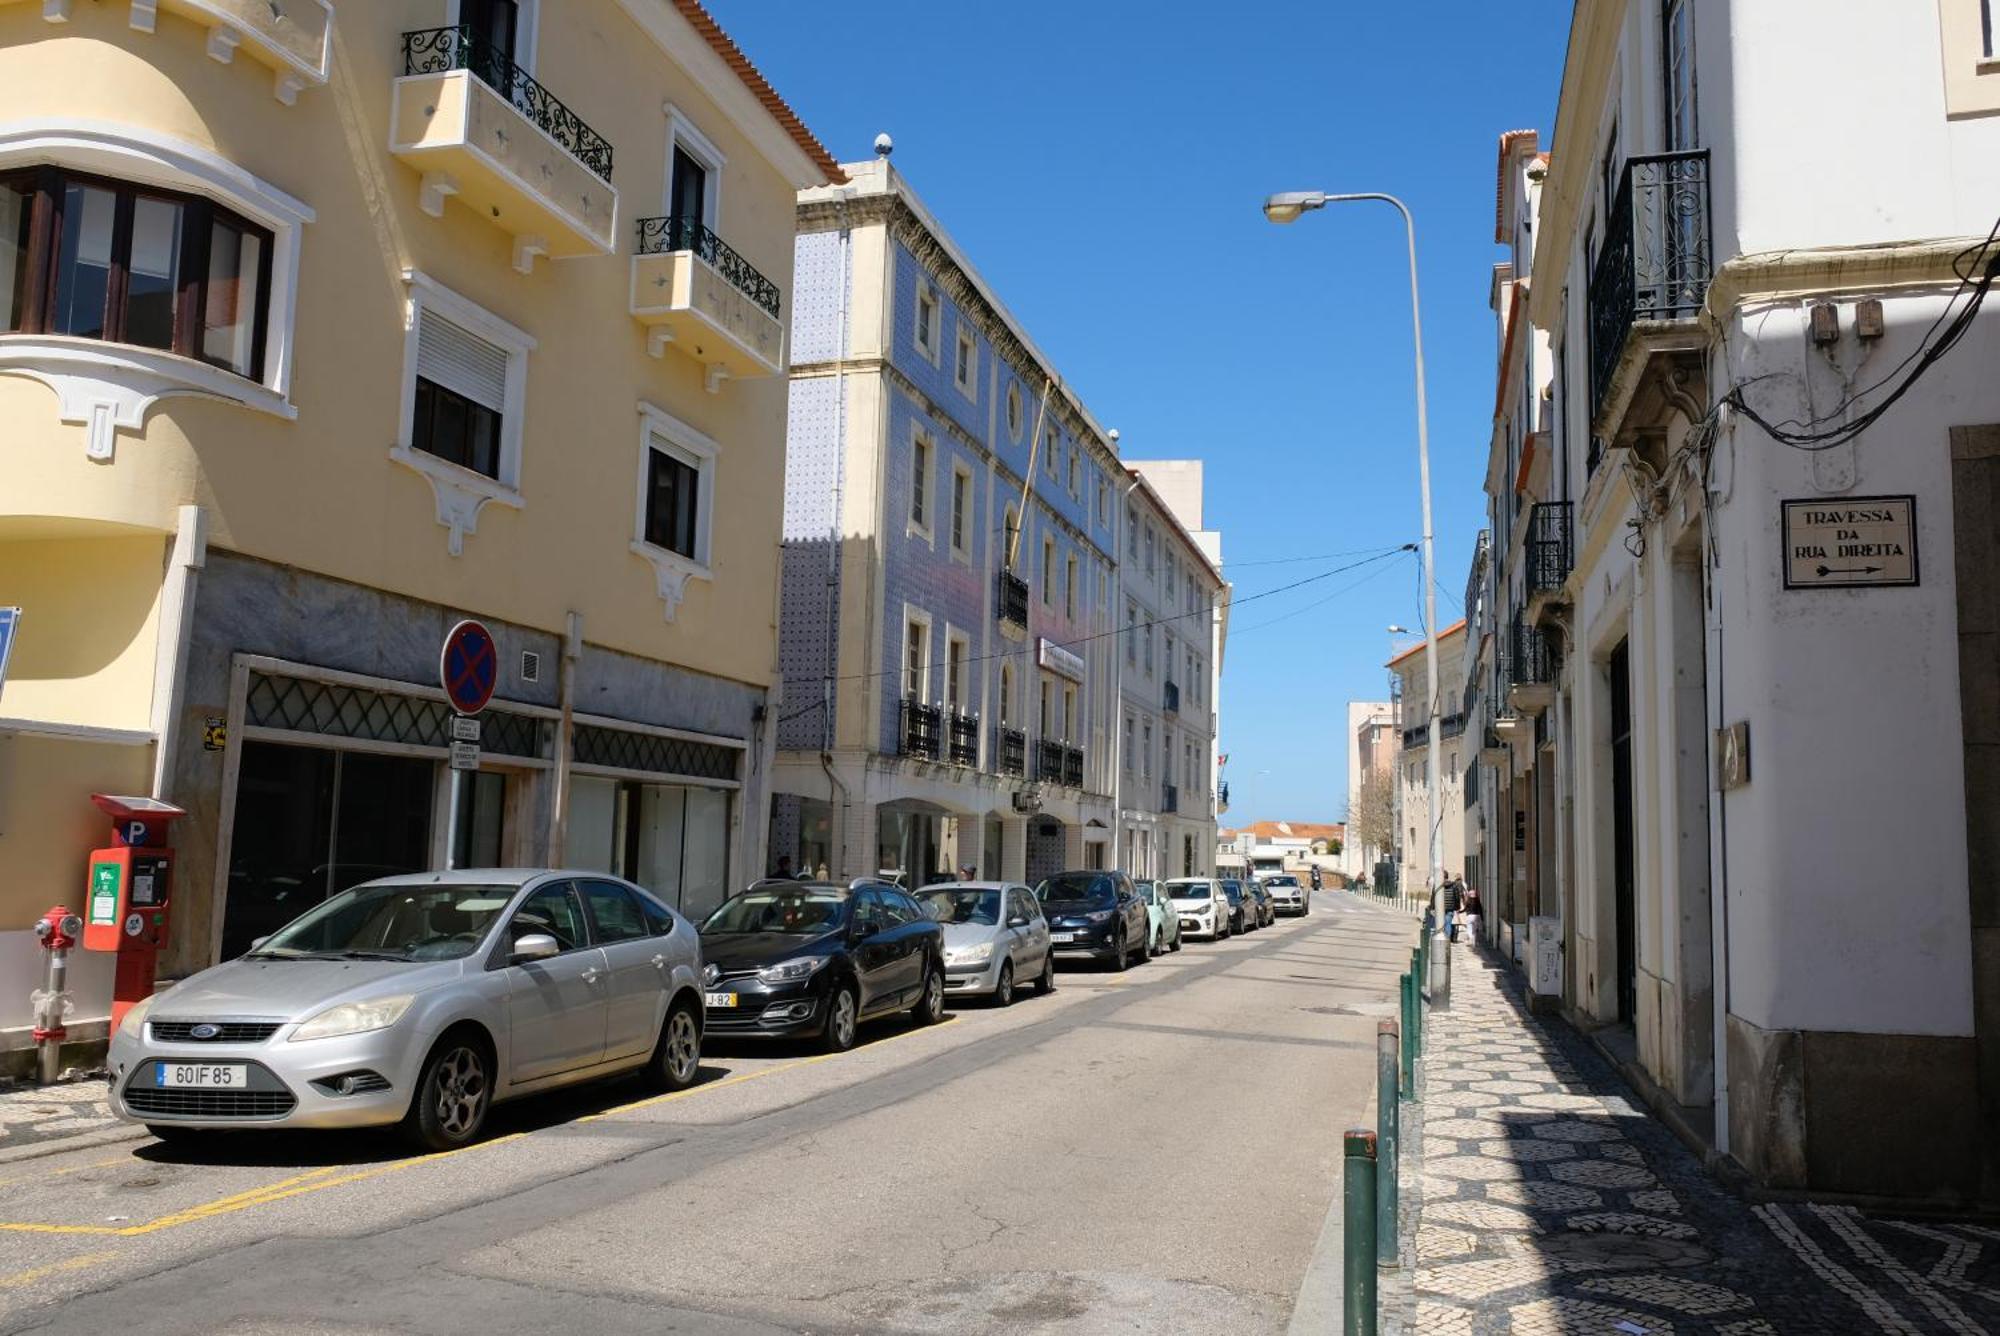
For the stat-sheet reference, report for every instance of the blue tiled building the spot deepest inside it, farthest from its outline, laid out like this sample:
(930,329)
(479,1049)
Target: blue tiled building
(948,625)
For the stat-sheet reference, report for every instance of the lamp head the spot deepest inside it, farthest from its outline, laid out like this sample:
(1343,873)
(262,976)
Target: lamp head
(1286,206)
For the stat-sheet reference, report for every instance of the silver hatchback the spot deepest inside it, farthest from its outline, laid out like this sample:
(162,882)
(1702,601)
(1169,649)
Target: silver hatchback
(420,1000)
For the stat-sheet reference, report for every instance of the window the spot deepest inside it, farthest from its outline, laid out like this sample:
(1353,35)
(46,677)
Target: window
(1011,527)
(672,499)
(965,367)
(1146,754)
(1014,413)
(1103,499)
(1131,632)
(1131,534)
(920,483)
(1006,704)
(614,911)
(916,656)
(961,511)
(552,910)
(98,259)
(1048,690)
(1677,65)
(1146,637)
(676,487)
(1151,548)
(1049,452)
(1069,713)
(1069,587)
(1173,572)
(956,651)
(927,321)
(1048,572)
(694,171)
(1075,471)
(1131,743)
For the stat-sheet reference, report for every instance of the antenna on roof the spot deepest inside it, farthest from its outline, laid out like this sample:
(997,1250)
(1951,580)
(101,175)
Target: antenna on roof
(884,145)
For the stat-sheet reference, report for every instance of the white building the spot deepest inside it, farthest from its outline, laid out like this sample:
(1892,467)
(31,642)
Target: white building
(1372,743)
(1772,632)
(1413,762)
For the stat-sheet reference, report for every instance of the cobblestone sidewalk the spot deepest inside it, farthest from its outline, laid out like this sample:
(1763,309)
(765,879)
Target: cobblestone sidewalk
(40,1116)
(1551,1202)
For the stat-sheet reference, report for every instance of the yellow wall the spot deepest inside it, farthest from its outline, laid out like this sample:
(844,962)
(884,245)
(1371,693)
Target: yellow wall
(85,648)
(321,492)
(43,842)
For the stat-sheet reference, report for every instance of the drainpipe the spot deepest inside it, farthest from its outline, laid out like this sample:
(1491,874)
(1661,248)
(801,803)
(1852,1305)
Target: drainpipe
(572,651)
(177,590)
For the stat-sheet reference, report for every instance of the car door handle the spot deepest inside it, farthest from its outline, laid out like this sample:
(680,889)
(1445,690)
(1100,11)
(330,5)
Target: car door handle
(659,962)
(590,975)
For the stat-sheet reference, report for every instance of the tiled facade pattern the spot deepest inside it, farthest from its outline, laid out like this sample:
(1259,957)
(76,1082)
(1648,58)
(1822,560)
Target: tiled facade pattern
(1545,1201)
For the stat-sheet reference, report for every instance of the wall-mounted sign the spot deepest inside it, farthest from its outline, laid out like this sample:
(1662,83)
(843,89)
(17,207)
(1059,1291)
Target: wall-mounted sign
(1059,660)
(1854,542)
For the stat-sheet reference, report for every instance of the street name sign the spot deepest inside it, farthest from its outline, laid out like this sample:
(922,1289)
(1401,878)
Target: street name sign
(465,756)
(1855,542)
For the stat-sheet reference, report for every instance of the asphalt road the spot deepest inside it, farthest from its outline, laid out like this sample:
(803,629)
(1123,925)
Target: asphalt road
(1153,1151)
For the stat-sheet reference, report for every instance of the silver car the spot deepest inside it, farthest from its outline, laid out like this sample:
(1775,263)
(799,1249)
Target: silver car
(420,1000)
(995,937)
(1203,908)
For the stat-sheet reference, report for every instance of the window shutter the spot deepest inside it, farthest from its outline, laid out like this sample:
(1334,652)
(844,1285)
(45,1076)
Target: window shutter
(451,355)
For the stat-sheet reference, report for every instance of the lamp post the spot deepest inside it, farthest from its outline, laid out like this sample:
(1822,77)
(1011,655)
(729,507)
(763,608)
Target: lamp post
(1286,208)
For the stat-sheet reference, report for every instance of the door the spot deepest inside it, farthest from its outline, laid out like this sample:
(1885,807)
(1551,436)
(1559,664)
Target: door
(637,962)
(1133,906)
(909,930)
(1033,943)
(873,952)
(687,193)
(556,1007)
(492,26)
(1621,830)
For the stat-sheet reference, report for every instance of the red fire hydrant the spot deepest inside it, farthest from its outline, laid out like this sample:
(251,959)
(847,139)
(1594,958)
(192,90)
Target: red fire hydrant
(57,931)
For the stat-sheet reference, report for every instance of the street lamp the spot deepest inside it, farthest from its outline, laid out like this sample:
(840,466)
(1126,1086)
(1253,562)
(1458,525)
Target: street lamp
(1286,207)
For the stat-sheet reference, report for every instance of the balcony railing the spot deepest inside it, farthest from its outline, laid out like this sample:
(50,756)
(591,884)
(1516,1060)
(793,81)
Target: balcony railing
(1449,726)
(1170,799)
(1655,262)
(1170,698)
(1475,580)
(1012,751)
(658,236)
(1072,766)
(964,739)
(1049,760)
(918,729)
(1531,656)
(1011,595)
(1548,546)
(436,50)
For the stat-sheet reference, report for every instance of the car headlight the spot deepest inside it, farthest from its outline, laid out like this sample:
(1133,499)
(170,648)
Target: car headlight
(1099,916)
(377,1013)
(791,971)
(136,1017)
(969,955)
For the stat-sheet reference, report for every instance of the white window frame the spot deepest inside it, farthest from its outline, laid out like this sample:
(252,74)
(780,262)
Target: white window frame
(927,296)
(926,528)
(682,132)
(1004,707)
(1070,730)
(918,691)
(1971,73)
(966,343)
(958,533)
(1050,440)
(460,492)
(959,640)
(662,431)
(1010,526)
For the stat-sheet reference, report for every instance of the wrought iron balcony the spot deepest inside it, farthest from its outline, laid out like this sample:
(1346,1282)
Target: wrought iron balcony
(1012,751)
(1170,701)
(1049,760)
(1170,799)
(1655,261)
(1549,550)
(1449,726)
(1011,595)
(1072,766)
(1531,659)
(435,50)
(1475,580)
(964,739)
(918,729)
(658,236)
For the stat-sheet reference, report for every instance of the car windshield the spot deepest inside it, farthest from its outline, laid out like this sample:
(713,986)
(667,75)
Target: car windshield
(393,922)
(1233,890)
(1282,881)
(947,905)
(792,909)
(1071,887)
(1190,890)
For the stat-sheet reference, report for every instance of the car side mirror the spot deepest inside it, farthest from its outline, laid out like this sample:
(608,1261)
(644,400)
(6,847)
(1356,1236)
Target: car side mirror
(861,930)
(533,946)
(1018,921)
(257,943)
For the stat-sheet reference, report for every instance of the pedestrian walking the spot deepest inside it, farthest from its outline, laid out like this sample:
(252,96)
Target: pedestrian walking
(1472,911)
(1454,900)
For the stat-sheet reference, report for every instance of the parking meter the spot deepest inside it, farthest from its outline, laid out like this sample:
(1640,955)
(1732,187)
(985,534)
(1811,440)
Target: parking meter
(128,894)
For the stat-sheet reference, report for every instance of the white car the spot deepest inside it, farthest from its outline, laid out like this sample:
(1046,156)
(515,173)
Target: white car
(1203,908)
(1287,896)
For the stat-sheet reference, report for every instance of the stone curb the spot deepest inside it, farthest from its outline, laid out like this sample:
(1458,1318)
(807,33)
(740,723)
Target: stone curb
(81,1141)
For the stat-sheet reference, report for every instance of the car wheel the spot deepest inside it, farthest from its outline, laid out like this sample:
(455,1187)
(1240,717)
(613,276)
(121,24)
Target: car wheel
(930,1007)
(1175,945)
(1153,948)
(1003,991)
(453,1095)
(842,1012)
(1047,983)
(677,1057)
(1120,953)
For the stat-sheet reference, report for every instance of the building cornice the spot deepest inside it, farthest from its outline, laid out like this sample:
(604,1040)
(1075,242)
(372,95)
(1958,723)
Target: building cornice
(1822,271)
(1594,29)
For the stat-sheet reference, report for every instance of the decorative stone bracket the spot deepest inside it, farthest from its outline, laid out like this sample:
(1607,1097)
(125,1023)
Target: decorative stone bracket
(108,387)
(460,493)
(671,572)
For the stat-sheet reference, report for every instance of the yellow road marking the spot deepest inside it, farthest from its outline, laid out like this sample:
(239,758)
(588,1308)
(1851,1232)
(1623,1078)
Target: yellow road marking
(72,1169)
(316,1180)
(20,1279)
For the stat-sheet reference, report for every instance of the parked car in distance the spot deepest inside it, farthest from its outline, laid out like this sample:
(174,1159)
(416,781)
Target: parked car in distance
(1267,914)
(420,1000)
(1095,913)
(995,938)
(1242,911)
(1162,919)
(1287,896)
(1201,905)
(797,959)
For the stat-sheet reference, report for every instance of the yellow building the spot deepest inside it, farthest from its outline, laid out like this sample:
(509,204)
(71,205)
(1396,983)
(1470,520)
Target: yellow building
(321,330)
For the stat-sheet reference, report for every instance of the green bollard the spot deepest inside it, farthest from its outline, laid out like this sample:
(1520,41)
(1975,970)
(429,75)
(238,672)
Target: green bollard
(1408,1032)
(1357,1305)
(1417,1003)
(1388,1122)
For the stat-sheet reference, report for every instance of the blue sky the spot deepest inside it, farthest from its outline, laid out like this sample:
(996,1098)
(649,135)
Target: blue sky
(1102,164)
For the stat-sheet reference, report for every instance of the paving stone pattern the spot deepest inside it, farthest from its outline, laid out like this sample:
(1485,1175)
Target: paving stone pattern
(1548,1202)
(31,1114)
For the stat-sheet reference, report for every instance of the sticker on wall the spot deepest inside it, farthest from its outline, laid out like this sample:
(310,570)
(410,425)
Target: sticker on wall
(1855,542)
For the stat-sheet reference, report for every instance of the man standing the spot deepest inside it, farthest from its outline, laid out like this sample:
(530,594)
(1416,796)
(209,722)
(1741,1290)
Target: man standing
(1453,895)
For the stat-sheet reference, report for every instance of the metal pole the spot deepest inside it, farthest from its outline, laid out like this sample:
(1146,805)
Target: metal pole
(1357,1305)
(51,1016)
(1388,1043)
(1408,1030)
(451,821)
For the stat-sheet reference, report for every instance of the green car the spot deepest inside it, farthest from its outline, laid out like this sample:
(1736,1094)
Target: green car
(1163,920)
